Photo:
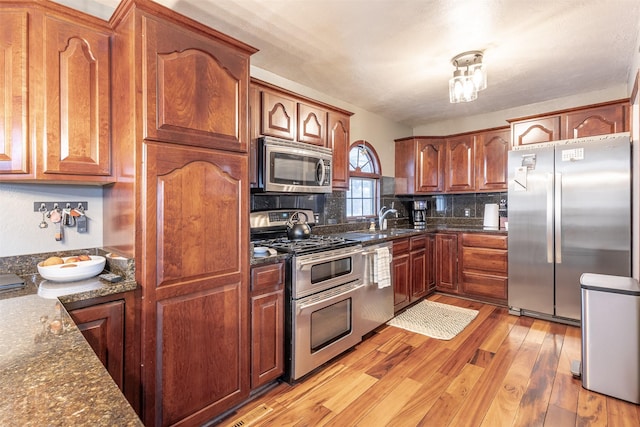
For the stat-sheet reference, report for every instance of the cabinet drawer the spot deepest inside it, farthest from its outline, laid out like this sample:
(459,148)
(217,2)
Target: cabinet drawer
(480,259)
(400,246)
(418,242)
(484,285)
(490,241)
(267,277)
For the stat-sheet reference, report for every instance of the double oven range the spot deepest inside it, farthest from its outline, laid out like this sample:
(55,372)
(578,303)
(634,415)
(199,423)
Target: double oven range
(323,292)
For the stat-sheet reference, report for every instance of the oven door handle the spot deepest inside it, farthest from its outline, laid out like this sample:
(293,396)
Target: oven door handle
(330,300)
(322,259)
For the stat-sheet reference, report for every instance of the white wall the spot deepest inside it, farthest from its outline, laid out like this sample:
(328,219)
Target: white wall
(19,230)
(377,130)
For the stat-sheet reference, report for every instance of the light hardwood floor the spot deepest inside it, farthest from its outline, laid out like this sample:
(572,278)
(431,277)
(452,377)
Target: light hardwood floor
(502,370)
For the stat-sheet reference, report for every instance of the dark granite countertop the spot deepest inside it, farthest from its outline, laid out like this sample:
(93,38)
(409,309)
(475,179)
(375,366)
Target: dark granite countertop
(367,237)
(50,375)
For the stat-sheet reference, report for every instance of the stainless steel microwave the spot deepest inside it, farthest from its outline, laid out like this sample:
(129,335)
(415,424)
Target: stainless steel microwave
(293,167)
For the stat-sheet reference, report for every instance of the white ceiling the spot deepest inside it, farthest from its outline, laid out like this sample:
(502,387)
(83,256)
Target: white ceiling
(392,57)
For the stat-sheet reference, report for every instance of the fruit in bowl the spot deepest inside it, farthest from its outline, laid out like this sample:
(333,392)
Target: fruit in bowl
(69,269)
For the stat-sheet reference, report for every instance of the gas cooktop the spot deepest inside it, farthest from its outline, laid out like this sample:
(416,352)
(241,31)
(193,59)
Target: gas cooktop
(313,244)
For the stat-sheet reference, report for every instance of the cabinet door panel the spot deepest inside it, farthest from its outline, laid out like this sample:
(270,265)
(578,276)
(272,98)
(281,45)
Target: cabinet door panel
(430,274)
(195,92)
(484,285)
(487,260)
(278,116)
(401,281)
(418,274)
(596,121)
(312,125)
(339,142)
(267,337)
(103,327)
(536,130)
(430,166)
(198,344)
(195,275)
(447,262)
(14,146)
(460,162)
(492,149)
(77,103)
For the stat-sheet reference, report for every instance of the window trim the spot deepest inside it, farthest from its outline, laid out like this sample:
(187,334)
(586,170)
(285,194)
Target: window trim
(376,175)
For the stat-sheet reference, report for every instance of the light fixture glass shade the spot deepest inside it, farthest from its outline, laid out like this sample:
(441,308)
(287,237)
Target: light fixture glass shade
(461,88)
(479,75)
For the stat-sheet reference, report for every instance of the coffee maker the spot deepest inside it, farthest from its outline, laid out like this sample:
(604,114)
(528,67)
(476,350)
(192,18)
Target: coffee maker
(419,214)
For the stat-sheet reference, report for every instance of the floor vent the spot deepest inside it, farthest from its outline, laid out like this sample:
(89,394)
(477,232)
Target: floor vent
(251,417)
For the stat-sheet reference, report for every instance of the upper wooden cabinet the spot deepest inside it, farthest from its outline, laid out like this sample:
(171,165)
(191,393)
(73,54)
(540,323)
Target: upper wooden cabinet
(277,112)
(456,164)
(420,165)
(277,115)
(492,151)
(14,139)
(338,141)
(65,133)
(591,120)
(195,88)
(460,174)
(312,124)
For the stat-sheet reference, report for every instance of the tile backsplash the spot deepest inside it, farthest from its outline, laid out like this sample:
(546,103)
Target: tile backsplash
(331,208)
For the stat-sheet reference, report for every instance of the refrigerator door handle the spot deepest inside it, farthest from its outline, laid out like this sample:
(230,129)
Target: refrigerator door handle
(550,218)
(558,209)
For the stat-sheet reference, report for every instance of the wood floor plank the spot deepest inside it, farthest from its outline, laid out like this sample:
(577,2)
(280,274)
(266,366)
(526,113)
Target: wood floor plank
(535,400)
(498,334)
(449,402)
(349,388)
(592,409)
(473,411)
(386,409)
(415,409)
(621,413)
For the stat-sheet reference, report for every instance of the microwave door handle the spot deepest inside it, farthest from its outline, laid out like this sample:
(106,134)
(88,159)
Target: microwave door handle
(320,172)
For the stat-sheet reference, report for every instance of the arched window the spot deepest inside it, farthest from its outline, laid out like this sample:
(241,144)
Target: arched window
(364,180)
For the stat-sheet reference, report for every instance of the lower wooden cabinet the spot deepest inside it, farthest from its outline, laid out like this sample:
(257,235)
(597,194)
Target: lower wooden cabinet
(412,269)
(267,323)
(483,266)
(447,262)
(108,325)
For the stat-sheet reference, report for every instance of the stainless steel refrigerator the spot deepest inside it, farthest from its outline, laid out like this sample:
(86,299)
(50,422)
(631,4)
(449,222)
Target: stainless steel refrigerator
(569,212)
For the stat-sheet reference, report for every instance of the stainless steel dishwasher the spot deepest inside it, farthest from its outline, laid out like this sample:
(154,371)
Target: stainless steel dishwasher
(377,297)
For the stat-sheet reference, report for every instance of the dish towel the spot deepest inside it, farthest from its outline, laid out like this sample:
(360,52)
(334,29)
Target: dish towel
(381,270)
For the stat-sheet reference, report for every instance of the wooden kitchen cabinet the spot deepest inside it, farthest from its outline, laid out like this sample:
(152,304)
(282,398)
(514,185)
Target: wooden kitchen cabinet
(312,124)
(590,120)
(430,275)
(447,262)
(401,274)
(180,208)
(460,161)
(412,270)
(278,115)
(62,132)
(420,165)
(491,155)
(483,267)
(267,323)
(338,141)
(195,87)
(598,120)
(109,325)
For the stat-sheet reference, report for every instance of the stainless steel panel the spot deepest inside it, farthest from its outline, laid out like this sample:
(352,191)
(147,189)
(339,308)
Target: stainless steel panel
(529,239)
(377,303)
(593,224)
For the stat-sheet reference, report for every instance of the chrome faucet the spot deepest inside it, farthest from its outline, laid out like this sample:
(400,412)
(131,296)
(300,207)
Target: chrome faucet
(382,221)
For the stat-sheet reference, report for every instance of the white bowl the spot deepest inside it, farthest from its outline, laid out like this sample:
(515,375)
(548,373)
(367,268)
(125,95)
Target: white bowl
(66,273)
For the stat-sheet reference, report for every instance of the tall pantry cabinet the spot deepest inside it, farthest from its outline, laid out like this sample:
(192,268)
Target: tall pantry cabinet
(180,207)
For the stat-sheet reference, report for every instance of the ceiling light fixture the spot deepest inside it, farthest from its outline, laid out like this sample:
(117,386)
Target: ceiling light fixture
(469,78)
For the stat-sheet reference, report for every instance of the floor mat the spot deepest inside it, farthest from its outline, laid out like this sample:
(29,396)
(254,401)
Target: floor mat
(434,319)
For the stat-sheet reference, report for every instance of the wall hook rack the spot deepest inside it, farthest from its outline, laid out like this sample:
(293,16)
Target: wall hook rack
(49,206)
